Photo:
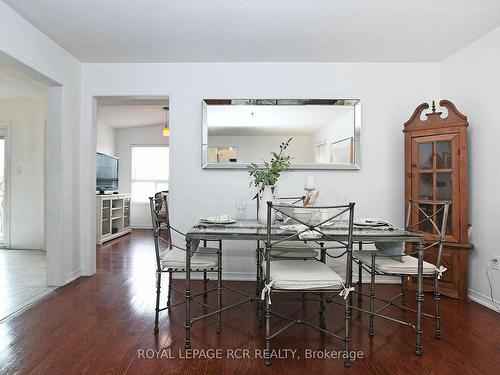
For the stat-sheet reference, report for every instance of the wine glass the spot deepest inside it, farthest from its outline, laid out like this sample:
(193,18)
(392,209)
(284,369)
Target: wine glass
(241,206)
(316,213)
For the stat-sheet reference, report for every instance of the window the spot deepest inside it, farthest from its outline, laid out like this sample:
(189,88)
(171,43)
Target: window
(321,153)
(149,171)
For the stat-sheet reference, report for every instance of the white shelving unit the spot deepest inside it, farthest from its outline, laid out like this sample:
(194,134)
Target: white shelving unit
(113,216)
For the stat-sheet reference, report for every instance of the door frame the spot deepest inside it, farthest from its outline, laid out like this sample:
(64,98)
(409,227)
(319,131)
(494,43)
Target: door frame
(5,130)
(88,138)
(57,167)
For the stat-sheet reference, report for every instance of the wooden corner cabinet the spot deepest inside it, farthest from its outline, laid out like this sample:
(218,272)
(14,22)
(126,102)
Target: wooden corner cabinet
(436,170)
(113,216)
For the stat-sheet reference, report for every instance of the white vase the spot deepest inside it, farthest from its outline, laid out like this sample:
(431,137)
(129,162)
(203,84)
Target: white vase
(267,195)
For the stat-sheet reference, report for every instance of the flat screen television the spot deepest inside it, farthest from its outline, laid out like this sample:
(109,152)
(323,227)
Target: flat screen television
(107,173)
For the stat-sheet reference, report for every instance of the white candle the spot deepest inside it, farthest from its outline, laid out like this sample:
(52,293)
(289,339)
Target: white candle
(309,182)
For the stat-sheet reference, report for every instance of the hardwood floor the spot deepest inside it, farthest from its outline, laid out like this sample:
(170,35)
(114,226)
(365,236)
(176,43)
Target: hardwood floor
(104,324)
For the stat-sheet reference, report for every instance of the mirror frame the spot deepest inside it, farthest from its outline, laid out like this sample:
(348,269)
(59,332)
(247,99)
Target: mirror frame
(356,103)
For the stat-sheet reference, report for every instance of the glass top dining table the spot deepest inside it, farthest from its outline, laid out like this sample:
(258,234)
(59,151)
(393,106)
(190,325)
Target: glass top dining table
(253,230)
(243,230)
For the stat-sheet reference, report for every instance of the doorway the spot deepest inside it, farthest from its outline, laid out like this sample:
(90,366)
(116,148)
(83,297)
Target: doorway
(133,130)
(23,257)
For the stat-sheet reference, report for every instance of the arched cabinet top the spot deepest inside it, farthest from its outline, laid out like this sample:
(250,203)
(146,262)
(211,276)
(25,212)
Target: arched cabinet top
(434,118)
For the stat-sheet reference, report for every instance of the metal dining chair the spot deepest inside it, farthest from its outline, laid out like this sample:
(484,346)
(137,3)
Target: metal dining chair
(287,275)
(405,265)
(161,206)
(297,250)
(171,258)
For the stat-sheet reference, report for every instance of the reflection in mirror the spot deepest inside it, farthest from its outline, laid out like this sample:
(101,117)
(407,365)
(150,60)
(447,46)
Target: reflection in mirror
(325,132)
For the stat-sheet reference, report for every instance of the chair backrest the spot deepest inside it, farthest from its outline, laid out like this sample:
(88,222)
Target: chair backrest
(161,205)
(287,200)
(311,224)
(161,225)
(431,219)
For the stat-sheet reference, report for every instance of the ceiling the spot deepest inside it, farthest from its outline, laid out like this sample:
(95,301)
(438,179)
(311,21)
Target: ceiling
(273,120)
(128,115)
(261,30)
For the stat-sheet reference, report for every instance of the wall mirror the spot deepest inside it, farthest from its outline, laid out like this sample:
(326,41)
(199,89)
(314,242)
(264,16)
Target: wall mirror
(326,132)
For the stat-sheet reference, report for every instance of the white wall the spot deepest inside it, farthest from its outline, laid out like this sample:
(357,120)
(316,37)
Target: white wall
(339,129)
(105,139)
(255,148)
(389,93)
(26,119)
(471,79)
(125,138)
(65,214)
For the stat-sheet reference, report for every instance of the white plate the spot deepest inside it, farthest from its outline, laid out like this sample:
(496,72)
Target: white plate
(230,221)
(371,223)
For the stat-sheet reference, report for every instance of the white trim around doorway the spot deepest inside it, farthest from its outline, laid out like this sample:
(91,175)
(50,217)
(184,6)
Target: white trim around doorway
(5,131)
(88,138)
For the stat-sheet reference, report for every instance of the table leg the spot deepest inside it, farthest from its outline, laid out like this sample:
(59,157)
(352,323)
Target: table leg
(219,289)
(371,331)
(257,268)
(258,287)
(420,298)
(360,276)
(187,325)
(348,301)
(205,286)
(322,303)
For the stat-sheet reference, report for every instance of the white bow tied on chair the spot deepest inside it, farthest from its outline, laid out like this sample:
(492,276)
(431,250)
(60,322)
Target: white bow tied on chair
(440,271)
(267,290)
(345,291)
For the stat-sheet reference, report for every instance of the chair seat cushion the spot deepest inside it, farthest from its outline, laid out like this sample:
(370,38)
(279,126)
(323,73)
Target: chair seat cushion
(303,274)
(203,258)
(407,266)
(293,249)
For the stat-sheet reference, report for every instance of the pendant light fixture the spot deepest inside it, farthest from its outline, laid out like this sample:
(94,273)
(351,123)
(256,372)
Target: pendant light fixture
(166,128)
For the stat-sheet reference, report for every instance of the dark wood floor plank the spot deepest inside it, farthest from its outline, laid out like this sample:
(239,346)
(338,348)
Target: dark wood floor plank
(96,325)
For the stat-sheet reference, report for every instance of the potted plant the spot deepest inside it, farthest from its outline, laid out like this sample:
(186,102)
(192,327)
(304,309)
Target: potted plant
(266,178)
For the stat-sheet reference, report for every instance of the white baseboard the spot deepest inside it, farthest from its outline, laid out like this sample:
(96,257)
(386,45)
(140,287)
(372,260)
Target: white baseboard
(29,303)
(73,276)
(379,279)
(140,227)
(17,248)
(482,300)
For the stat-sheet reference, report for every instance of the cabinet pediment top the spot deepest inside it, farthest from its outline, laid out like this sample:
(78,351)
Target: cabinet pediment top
(434,118)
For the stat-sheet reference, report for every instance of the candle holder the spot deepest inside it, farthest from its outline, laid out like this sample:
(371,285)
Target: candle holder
(309,195)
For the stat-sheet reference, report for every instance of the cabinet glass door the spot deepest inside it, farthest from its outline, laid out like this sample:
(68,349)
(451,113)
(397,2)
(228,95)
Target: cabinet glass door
(106,217)
(126,212)
(435,178)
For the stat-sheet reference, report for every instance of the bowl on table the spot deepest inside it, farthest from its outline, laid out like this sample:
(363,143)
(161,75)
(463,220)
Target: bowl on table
(304,215)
